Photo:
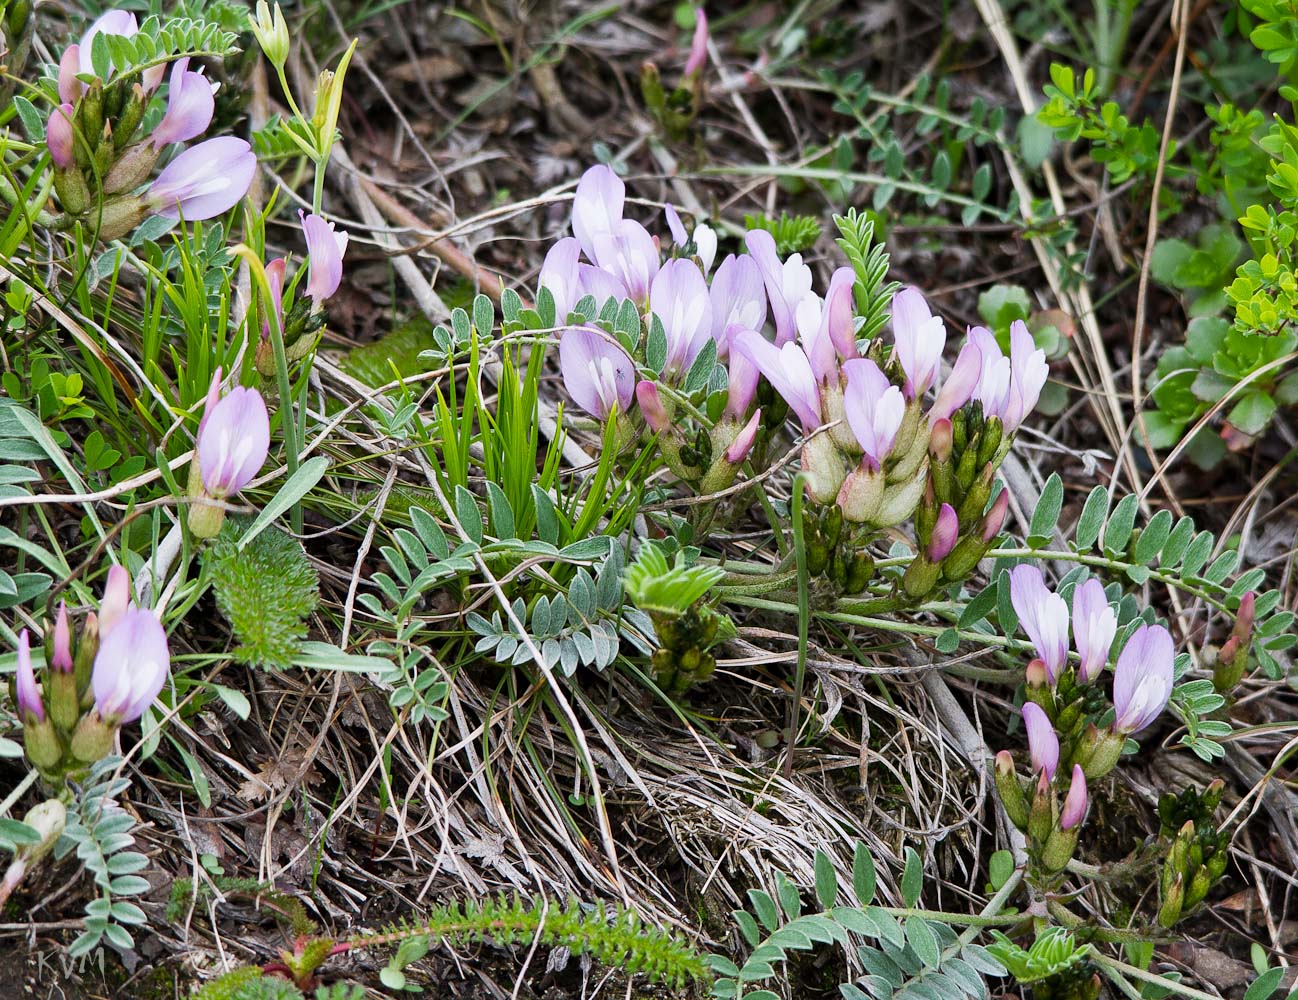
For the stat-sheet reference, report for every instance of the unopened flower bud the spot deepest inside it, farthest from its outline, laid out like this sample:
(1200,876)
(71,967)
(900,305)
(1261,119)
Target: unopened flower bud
(1169,911)
(87,647)
(946,531)
(271,32)
(655,414)
(699,46)
(1041,819)
(1099,752)
(994,520)
(61,654)
(1011,791)
(1075,803)
(92,740)
(939,441)
(743,442)
(990,440)
(824,467)
(60,138)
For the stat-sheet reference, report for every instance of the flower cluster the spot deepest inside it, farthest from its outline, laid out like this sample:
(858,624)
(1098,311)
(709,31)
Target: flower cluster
(92,684)
(233,440)
(873,444)
(1072,728)
(100,159)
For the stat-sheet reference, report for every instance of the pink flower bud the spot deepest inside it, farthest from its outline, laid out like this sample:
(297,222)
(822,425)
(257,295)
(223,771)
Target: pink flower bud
(699,46)
(945,534)
(1043,743)
(325,249)
(70,87)
(205,180)
(1074,810)
(29,697)
(117,595)
(190,105)
(130,667)
(743,442)
(995,517)
(233,440)
(275,271)
(62,658)
(646,394)
(59,137)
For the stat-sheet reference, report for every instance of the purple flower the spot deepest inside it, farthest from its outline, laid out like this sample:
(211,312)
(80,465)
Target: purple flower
(598,374)
(1075,803)
(836,316)
(874,409)
(743,378)
(233,440)
(919,338)
(946,531)
(116,599)
(1009,387)
(559,274)
(325,247)
(675,226)
(29,697)
(629,253)
(743,442)
(59,136)
(1043,743)
(597,206)
(788,371)
(62,655)
(205,180)
(189,107)
(602,285)
(738,299)
(786,283)
(959,385)
(1094,626)
(818,348)
(1043,615)
(699,46)
(130,667)
(1142,679)
(70,87)
(679,298)
(655,415)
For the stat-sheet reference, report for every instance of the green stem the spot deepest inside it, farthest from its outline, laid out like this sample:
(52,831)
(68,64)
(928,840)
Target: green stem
(1117,967)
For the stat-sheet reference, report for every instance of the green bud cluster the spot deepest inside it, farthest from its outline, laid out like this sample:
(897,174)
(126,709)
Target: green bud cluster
(1196,861)
(1034,809)
(673,110)
(682,657)
(301,330)
(835,553)
(1080,981)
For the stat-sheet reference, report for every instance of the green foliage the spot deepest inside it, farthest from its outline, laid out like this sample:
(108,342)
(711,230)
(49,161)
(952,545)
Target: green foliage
(1053,952)
(611,935)
(869,259)
(792,232)
(265,589)
(1074,113)
(1276,33)
(99,831)
(1201,269)
(665,589)
(916,957)
(158,42)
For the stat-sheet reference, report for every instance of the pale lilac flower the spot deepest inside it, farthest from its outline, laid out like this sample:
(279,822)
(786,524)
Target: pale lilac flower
(1075,803)
(675,226)
(946,532)
(743,377)
(325,247)
(679,298)
(1094,626)
(189,107)
(874,409)
(116,599)
(559,274)
(738,299)
(1142,678)
(600,284)
(919,338)
(836,316)
(233,441)
(61,659)
(598,374)
(1043,615)
(1043,742)
(629,253)
(699,45)
(743,442)
(59,137)
(959,385)
(25,690)
(1010,387)
(816,345)
(788,371)
(205,180)
(597,207)
(651,406)
(786,283)
(70,87)
(130,667)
